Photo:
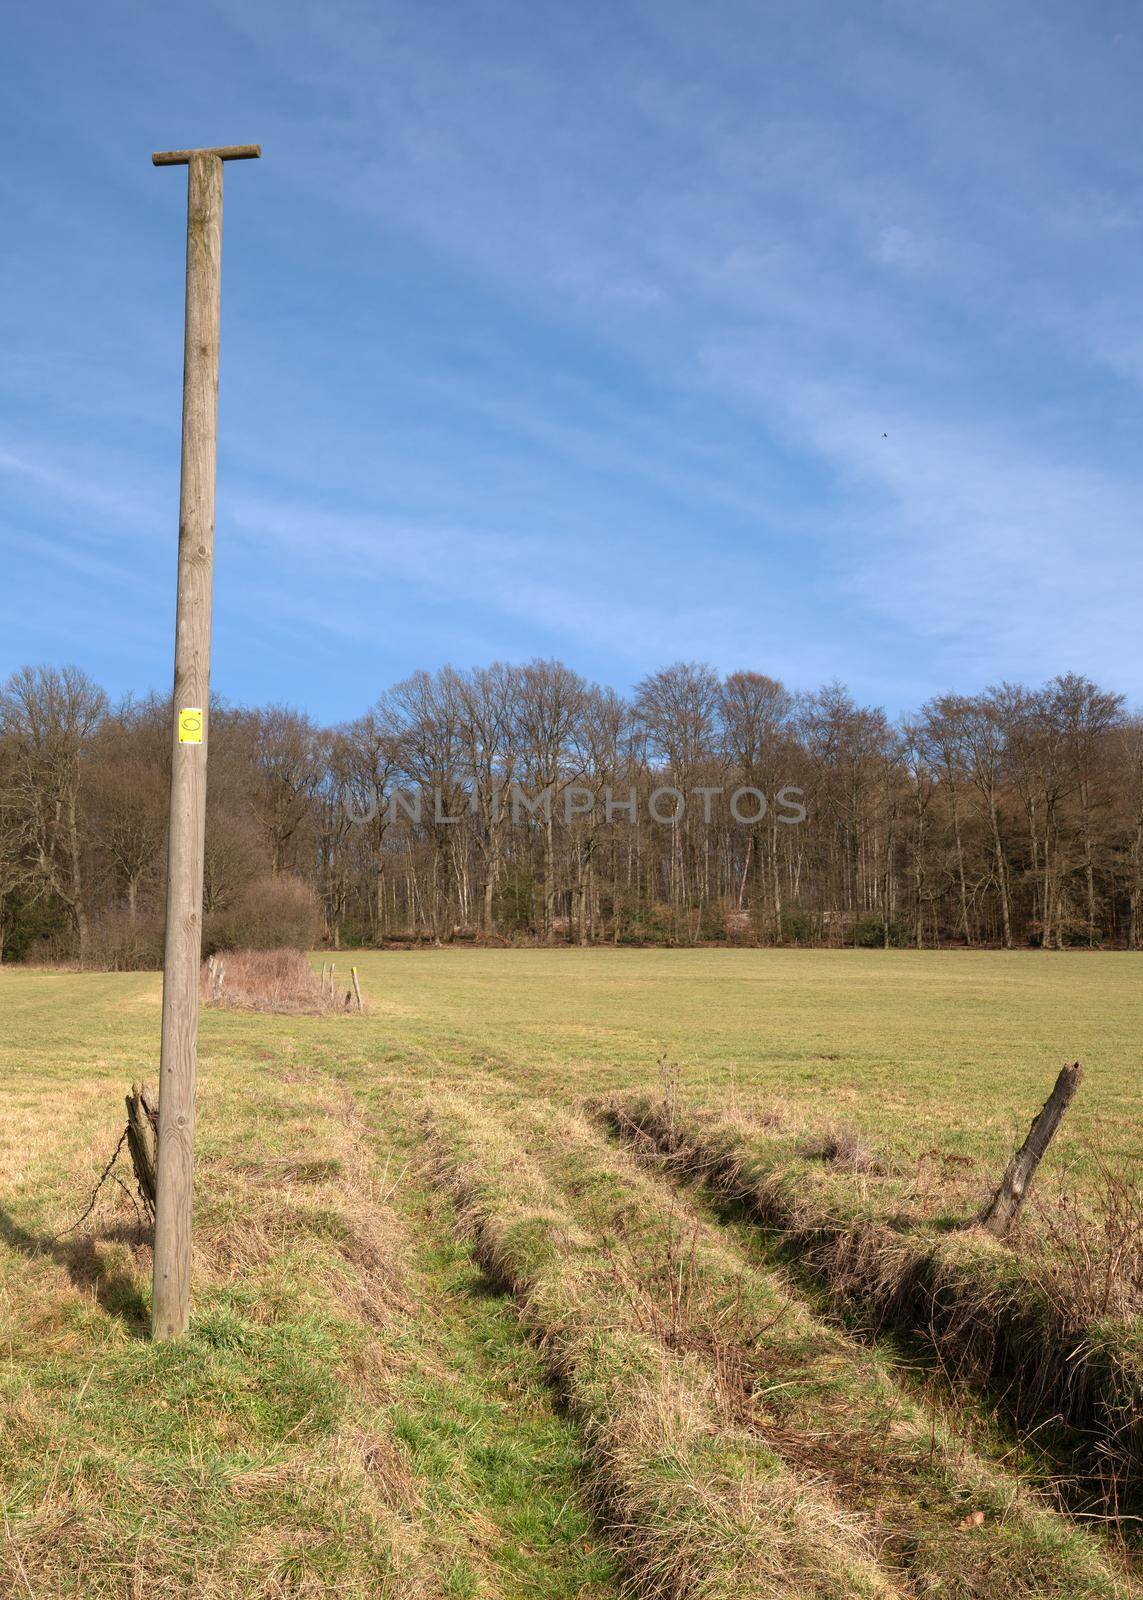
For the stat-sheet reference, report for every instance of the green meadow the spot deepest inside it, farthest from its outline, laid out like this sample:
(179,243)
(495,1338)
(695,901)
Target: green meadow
(368,1402)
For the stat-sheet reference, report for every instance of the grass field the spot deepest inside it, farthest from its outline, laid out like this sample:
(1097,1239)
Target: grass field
(452,1338)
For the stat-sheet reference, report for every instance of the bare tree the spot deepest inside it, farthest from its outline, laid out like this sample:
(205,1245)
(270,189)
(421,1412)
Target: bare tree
(433,756)
(980,725)
(127,789)
(678,708)
(1088,714)
(551,700)
(1130,766)
(50,717)
(942,745)
(287,758)
(486,698)
(757,715)
(367,757)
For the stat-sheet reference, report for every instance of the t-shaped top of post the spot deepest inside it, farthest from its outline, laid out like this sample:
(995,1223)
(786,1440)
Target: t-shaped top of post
(224,152)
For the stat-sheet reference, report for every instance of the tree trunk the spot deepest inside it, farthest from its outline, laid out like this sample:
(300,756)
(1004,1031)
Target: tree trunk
(78,907)
(1088,868)
(1001,871)
(960,868)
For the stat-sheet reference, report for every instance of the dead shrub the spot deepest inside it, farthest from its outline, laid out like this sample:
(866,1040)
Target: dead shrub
(278,913)
(119,942)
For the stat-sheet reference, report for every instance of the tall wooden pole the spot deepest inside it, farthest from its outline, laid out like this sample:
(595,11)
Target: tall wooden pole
(170,1306)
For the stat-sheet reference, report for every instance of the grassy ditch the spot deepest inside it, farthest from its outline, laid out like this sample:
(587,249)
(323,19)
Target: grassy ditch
(943,1519)
(994,1318)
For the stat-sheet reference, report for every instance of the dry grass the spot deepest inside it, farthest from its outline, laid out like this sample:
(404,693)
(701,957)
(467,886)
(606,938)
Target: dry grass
(1024,1325)
(362,1410)
(1087,1244)
(843,1147)
(236,1464)
(829,1408)
(267,980)
(696,1506)
(349,1415)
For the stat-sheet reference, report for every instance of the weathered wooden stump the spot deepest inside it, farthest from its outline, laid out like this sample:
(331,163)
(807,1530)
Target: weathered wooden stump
(143,1140)
(1000,1212)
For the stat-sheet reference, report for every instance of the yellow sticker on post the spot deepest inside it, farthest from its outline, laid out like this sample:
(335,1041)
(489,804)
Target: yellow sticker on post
(190,725)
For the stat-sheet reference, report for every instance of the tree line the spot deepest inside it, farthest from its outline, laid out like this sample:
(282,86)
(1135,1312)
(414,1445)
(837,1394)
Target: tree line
(525,803)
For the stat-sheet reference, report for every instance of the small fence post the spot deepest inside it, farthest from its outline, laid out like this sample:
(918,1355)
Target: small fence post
(1000,1212)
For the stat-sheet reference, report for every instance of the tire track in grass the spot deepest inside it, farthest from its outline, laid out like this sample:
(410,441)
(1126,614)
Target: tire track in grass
(474,1411)
(695,1506)
(476,1416)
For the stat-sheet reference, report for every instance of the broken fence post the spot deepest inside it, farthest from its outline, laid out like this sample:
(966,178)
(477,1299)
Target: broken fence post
(1000,1212)
(142,1139)
(357,989)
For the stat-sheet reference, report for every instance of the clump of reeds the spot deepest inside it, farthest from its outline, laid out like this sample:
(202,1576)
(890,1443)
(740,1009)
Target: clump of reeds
(265,980)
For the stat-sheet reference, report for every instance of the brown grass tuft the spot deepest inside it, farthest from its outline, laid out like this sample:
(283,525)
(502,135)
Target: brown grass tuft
(390,1475)
(843,1147)
(266,980)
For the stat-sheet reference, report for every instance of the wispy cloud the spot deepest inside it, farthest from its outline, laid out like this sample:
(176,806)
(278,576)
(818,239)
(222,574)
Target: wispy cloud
(579,331)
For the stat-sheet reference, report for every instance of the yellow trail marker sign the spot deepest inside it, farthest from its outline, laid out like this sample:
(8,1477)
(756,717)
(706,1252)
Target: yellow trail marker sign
(190,725)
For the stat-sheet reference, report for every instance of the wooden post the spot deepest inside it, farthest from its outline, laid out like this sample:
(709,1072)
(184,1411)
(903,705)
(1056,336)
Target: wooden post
(170,1304)
(357,989)
(142,1121)
(1000,1212)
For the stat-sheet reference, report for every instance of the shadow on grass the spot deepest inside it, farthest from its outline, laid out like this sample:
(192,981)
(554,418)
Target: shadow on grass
(90,1267)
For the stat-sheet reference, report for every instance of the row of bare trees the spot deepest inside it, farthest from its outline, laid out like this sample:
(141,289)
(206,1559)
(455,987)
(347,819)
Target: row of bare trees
(523,802)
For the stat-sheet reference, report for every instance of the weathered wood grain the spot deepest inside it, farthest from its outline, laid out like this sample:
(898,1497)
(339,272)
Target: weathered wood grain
(1000,1212)
(183,948)
(223,152)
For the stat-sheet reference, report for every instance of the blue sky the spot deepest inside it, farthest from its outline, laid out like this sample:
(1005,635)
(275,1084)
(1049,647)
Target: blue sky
(575,330)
